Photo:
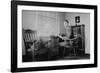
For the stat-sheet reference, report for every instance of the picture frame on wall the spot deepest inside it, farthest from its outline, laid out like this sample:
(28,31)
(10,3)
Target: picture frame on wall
(44,36)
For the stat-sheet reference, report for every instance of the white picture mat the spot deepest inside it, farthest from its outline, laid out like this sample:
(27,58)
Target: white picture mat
(53,63)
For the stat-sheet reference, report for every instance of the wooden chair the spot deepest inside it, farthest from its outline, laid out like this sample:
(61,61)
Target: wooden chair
(29,37)
(69,47)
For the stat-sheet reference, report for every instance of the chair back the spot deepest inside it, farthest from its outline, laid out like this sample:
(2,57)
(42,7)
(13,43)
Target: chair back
(29,37)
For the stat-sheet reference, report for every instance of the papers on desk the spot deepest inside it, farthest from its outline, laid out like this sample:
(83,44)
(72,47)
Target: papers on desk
(63,43)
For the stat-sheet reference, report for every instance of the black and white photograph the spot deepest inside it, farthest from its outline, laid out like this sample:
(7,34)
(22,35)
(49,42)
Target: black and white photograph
(50,36)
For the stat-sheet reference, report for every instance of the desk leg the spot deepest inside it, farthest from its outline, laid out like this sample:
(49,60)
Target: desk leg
(48,54)
(64,52)
(75,52)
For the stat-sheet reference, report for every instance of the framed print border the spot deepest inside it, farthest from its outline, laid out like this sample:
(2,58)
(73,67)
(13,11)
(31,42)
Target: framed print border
(14,35)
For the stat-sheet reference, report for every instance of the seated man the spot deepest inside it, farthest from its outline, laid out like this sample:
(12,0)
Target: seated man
(65,42)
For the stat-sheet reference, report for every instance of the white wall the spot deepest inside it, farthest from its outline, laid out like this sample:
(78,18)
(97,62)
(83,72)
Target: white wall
(84,19)
(61,23)
(41,21)
(5,38)
(28,19)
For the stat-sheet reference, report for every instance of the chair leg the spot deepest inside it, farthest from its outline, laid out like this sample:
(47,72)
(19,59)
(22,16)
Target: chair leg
(74,51)
(64,52)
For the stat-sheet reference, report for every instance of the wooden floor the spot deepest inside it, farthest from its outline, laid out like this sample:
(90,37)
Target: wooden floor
(76,57)
(45,58)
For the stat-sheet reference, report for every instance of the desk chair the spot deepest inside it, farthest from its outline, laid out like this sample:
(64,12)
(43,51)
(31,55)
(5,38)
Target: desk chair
(69,46)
